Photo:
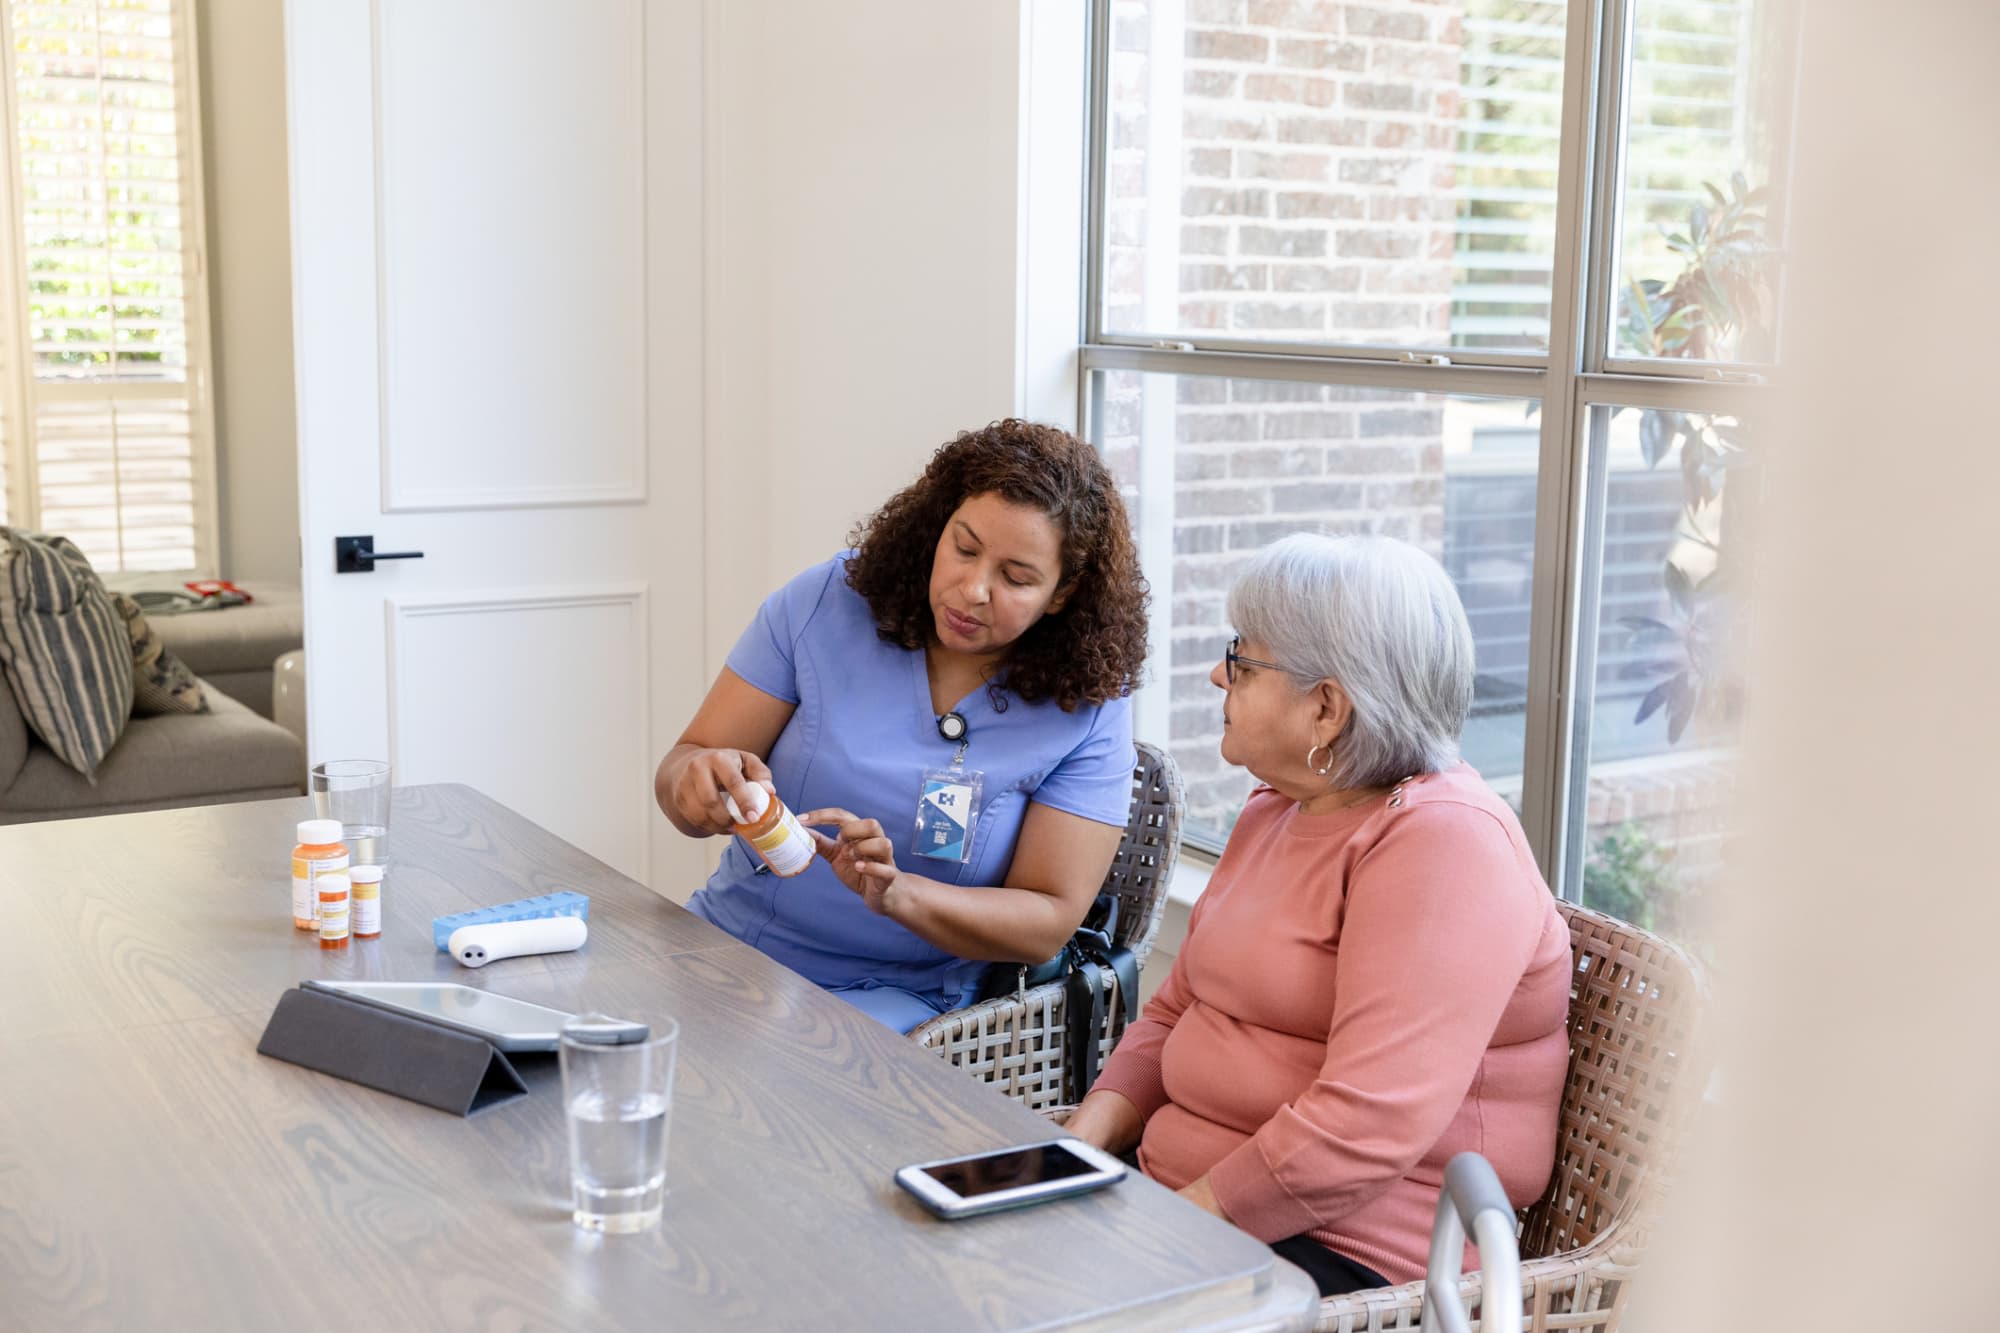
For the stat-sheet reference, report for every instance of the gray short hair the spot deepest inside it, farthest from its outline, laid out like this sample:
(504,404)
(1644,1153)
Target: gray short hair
(1382,620)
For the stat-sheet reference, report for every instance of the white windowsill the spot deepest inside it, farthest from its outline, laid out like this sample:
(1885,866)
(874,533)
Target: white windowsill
(1191,874)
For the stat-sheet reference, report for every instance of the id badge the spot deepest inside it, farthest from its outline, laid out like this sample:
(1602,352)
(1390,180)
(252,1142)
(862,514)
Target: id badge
(946,813)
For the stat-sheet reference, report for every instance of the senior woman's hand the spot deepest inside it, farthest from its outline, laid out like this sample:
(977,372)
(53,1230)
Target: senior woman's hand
(1202,1195)
(1107,1120)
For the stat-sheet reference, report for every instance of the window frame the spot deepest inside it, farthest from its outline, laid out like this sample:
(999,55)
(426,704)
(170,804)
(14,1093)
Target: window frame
(21,390)
(1576,376)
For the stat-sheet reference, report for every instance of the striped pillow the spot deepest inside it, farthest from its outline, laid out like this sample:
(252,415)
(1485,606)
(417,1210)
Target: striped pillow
(63,648)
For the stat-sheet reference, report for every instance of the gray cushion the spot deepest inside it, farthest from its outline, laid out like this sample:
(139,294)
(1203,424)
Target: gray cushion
(235,638)
(170,803)
(184,756)
(14,740)
(64,648)
(252,689)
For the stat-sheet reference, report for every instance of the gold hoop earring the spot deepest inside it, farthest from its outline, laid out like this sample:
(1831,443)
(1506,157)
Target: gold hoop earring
(1328,769)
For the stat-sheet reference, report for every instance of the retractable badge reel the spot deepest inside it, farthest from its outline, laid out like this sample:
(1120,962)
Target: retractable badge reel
(949,803)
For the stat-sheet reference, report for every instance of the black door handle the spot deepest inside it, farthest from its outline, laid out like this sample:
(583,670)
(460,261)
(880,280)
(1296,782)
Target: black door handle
(357,555)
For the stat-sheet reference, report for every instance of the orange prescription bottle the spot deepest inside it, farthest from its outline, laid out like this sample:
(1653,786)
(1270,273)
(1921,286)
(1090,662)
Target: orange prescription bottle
(334,892)
(774,832)
(319,849)
(366,902)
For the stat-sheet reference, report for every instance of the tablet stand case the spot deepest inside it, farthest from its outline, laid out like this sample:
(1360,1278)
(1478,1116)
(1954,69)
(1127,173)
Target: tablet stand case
(407,1057)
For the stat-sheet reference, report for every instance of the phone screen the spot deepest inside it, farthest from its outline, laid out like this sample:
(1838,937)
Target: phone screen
(973,1176)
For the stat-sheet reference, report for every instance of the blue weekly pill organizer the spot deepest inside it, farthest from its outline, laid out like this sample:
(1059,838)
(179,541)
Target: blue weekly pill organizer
(566,903)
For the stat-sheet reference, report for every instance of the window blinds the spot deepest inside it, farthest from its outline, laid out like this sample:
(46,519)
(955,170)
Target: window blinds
(108,223)
(1688,109)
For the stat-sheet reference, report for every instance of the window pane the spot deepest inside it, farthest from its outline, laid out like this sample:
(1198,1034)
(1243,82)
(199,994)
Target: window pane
(1697,265)
(99,137)
(1333,172)
(1216,469)
(103,133)
(1652,814)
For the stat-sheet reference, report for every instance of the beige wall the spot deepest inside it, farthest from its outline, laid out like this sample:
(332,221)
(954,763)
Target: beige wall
(875,281)
(250,283)
(1850,1163)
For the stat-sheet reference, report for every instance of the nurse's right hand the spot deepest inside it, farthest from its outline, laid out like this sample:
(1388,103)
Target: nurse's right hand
(707,776)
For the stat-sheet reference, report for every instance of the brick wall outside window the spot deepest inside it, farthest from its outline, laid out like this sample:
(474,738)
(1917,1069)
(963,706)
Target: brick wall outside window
(1318,201)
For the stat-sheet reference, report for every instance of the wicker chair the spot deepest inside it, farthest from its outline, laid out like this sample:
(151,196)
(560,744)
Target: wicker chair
(1636,1074)
(1015,1042)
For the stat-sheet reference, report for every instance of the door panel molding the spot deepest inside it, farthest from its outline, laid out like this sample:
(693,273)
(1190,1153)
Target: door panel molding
(525,696)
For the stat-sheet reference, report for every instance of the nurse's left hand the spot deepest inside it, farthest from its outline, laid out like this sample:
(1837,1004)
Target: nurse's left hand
(862,857)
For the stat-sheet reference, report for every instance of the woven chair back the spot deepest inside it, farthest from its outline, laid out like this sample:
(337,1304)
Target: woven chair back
(1017,1044)
(1636,1075)
(1144,865)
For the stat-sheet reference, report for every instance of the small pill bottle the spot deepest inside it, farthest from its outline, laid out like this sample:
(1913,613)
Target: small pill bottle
(775,833)
(366,902)
(319,849)
(335,890)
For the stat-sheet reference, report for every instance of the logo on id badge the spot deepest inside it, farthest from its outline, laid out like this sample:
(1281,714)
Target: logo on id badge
(945,815)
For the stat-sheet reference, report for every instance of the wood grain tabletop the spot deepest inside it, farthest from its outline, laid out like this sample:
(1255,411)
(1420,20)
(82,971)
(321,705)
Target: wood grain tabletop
(155,1172)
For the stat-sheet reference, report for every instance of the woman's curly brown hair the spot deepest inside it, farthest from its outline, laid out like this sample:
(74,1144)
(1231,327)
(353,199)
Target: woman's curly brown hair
(1087,653)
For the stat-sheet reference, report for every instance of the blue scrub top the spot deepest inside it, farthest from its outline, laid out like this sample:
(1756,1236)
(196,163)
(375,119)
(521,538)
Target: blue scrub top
(861,738)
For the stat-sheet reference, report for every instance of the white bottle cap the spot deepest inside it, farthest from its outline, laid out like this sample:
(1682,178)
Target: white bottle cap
(332,879)
(365,874)
(759,798)
(319,832)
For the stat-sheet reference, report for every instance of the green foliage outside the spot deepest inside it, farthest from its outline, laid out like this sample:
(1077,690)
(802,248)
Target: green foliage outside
(105,285)
(1631,877)
(1720,305)
(1722,302)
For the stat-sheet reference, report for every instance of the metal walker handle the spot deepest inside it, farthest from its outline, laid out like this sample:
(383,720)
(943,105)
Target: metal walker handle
(1472,1199)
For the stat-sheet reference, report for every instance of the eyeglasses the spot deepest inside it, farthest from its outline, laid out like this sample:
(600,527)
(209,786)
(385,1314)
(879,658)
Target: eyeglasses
(1231,657)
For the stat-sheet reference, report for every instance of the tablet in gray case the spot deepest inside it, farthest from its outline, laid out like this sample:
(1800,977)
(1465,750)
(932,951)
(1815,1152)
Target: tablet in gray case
(390,1052)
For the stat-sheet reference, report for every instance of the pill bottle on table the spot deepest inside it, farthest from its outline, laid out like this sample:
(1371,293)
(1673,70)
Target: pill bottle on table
(319,849)
(366,901)
(774,832)
(335,890)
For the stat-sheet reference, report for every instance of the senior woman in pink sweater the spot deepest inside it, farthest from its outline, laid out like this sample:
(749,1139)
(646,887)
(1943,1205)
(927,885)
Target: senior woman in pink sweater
(1376,977)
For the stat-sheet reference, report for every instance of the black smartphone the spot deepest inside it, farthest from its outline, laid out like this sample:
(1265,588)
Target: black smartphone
(1010,1178)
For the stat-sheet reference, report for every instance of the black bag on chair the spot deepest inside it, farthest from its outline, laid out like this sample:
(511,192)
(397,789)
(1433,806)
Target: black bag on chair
(1080,967)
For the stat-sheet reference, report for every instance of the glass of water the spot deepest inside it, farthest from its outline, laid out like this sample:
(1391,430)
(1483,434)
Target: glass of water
(617,1099)
(356,792)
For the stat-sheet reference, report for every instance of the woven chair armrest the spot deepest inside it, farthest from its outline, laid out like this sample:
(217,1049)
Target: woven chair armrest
(1015,1042)
(1580,1287)
(1011,1042)
(987,1015)
(1378,1308)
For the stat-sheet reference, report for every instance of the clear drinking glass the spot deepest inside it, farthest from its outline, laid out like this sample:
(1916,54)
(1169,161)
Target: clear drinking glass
(356,792)
(617,1099)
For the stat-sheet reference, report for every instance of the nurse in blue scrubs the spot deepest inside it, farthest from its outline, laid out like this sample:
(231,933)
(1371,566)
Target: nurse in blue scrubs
(947,704)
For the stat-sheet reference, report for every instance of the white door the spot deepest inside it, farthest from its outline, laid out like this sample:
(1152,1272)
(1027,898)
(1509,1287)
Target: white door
(496,255)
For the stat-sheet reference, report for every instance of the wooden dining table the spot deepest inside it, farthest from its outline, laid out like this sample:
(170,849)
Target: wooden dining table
(157,1172)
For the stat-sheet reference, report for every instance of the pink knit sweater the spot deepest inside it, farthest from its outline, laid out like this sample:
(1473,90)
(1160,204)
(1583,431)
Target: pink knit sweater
(1361,996)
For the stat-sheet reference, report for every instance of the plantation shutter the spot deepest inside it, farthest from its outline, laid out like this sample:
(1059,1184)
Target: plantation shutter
(108,174)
